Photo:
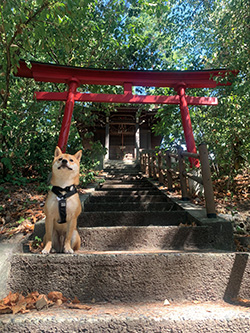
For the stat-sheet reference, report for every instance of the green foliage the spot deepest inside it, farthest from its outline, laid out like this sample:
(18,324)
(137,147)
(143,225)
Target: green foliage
(36,243)
(124,34)
(90,161)
(214,34)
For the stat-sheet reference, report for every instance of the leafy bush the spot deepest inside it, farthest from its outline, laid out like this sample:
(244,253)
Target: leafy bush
(91,159)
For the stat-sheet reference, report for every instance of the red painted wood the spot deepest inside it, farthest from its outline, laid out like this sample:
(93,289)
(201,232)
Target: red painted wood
(125,98)
(63,74)
(187,126)
(64,132)
(51,96)
(127,88)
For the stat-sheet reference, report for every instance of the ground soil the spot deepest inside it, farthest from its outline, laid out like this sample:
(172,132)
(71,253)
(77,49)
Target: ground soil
(22,206)
(236,199)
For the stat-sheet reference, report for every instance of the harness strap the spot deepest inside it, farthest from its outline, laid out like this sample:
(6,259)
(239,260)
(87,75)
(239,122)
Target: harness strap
(69,191)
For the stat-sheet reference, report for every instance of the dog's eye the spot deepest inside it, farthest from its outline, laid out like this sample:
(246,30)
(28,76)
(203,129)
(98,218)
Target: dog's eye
(71,160)
(60,159)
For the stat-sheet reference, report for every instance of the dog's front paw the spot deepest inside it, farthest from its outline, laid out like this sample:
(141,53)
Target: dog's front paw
(68,249)
(45,251)
(47,248)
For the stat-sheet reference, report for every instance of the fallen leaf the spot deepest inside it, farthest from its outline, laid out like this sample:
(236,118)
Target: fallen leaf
(59,302)
(55,295)
(41,296)
(11,298)
(242,301)
(41,303)
(21,298)
(33,294)
(19,307)
(29,211)
(75,301)
(78,306)
(31,300)
(17,303)
(5,309)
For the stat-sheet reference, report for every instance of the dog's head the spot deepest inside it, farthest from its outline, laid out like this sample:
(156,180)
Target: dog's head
(66,167)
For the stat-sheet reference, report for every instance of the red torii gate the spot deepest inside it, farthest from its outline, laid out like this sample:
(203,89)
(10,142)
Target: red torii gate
(76,76)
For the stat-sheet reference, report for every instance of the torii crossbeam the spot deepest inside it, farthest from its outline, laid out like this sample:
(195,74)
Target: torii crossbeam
(76,76)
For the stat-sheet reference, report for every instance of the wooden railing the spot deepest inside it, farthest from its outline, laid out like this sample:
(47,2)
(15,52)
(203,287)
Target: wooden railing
(159,165)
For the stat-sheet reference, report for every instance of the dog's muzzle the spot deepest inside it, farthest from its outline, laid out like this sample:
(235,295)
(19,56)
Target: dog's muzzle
(64,165)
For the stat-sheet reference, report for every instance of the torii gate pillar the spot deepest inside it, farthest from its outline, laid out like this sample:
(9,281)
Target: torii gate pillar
(186,123)
(68,112)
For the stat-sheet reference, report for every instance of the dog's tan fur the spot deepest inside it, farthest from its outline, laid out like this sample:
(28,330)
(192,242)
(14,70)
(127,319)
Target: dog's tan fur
(63,237)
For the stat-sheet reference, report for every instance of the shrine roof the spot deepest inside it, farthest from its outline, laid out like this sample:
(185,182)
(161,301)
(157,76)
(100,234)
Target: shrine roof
(47,72)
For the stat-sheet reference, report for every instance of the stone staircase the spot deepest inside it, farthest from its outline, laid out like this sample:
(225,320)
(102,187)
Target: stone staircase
(130,213)
(139,248)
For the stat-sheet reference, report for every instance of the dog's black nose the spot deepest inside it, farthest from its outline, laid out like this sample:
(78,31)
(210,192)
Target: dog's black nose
(64,161)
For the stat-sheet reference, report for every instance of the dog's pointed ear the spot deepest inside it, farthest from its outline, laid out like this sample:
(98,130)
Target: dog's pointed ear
(78,155)
(57,152)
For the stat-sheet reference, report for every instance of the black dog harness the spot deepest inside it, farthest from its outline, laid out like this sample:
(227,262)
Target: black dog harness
(70,190)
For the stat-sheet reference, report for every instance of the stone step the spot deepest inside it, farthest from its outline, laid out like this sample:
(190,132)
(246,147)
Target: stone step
(121,237)
(124,177)
(118,205)
(131,192)
(129,186)
(189,317)
(122,171)
(129,218)
(134,276)
(118,165)
(100,198)
(150,238)
(126,181)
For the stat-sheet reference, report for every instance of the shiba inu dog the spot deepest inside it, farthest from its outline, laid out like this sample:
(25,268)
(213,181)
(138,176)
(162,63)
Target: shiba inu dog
(63,205)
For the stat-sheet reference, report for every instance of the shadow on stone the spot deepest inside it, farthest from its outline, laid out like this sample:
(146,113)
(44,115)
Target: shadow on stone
(236,277)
